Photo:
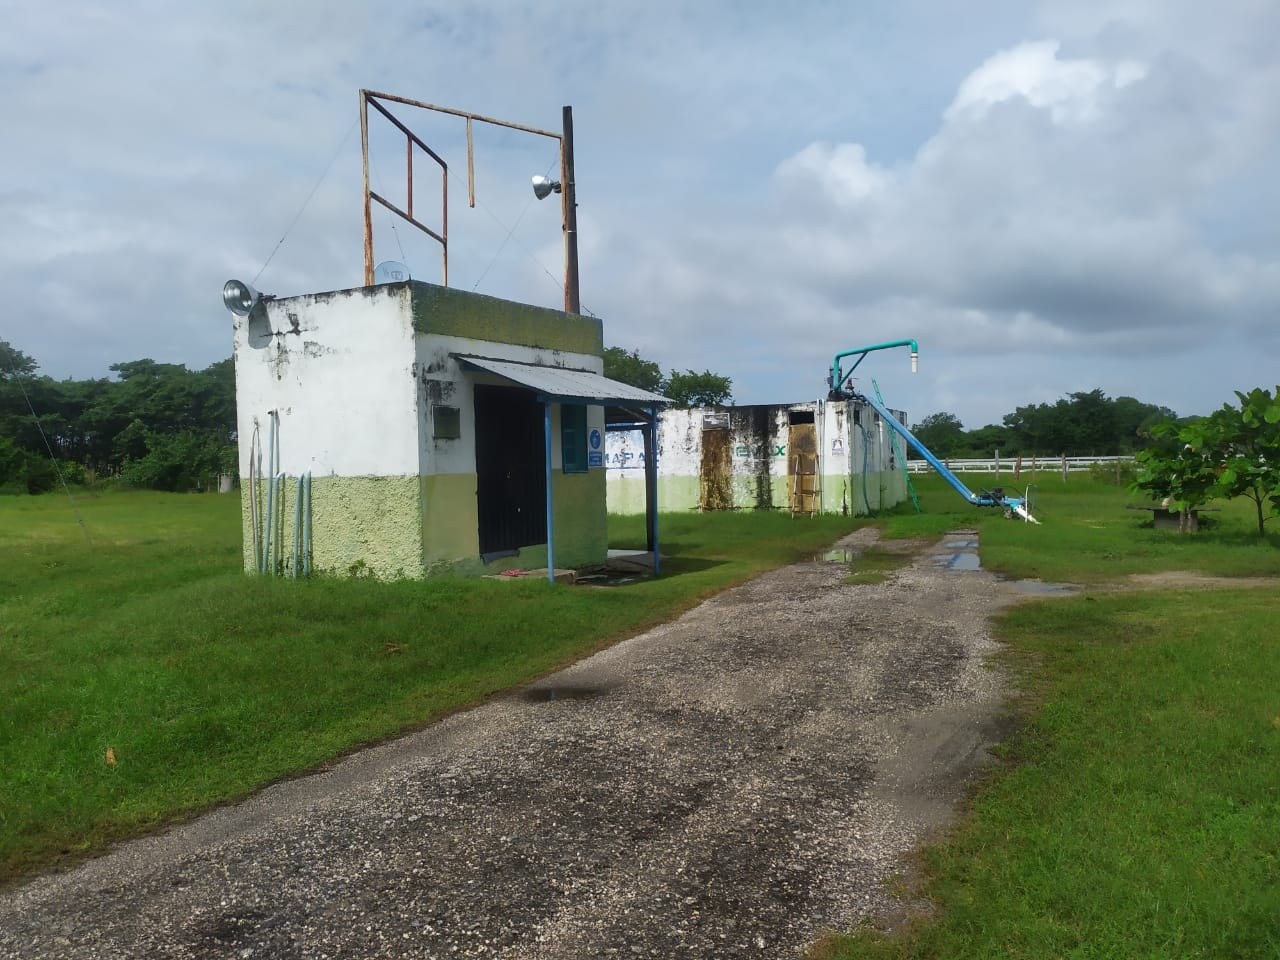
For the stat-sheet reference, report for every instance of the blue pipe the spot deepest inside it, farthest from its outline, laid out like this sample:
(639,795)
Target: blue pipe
(925,452)
(270,489)
(297,524)
(306,531)
(278,493)
(551,562)
(838,377)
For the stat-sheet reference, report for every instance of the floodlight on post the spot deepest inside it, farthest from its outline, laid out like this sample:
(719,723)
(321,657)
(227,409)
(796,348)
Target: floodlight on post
(543,188)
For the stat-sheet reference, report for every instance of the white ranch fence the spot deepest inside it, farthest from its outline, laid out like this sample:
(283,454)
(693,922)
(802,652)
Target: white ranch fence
(1022,465)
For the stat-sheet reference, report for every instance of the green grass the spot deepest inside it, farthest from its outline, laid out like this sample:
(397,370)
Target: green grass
(1138,812)
(146,639)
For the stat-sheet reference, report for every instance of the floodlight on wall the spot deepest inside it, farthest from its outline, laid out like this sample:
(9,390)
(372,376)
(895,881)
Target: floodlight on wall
(543,188)
(239,297)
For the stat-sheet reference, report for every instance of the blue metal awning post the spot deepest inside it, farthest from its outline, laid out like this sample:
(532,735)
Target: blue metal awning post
(551,554)
(651,493)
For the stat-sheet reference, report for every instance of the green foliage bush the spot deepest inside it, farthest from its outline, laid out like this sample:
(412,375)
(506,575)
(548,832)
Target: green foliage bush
(1230,453)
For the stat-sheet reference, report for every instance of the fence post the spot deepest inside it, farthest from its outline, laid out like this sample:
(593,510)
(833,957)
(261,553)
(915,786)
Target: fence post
(1064,468)
(997,464)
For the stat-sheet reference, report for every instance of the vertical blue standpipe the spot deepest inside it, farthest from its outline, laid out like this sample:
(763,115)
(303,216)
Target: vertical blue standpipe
(551,556)
(278,525)
(297,526)
(271,474)
(306,531)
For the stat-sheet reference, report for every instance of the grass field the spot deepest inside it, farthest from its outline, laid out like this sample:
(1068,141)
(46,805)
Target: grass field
(1138,812)
(143,677)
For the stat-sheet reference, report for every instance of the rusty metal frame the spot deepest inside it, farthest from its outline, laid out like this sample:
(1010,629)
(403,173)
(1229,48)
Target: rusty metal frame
(368,97)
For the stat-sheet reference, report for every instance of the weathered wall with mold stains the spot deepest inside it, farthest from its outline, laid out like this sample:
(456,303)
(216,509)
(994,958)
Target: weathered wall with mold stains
(737,458)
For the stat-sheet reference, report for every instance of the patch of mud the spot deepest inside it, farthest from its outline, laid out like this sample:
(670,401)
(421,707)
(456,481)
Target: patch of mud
(1188,580)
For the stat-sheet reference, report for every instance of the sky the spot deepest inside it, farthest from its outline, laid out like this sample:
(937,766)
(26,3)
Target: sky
(1050,197)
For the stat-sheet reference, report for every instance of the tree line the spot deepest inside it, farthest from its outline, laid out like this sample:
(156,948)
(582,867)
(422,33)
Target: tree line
(1080,424)
(154,425)
(164,427)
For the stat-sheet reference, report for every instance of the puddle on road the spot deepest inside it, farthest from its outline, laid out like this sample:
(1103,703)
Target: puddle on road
(1039,588)
(837,556)
(958,561)
(547,694)
(961,544)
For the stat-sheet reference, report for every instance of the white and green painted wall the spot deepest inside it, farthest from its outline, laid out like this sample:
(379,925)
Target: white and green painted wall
(363,390)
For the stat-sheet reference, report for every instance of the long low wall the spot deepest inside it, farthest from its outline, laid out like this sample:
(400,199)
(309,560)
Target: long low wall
(819,456)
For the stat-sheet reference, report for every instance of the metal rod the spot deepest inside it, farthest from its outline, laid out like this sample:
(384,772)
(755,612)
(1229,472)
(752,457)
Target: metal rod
(372,94)
(368,209)
(408,150)
(444,227)
(471,168)
(404,216)
(408,133)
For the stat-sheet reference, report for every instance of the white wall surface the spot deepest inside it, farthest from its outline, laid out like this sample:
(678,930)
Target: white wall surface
(339,368)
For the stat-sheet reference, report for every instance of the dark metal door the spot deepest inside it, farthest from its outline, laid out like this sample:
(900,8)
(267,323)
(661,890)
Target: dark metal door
(511,480)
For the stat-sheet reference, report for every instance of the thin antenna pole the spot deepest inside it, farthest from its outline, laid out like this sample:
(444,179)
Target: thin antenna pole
(53,459)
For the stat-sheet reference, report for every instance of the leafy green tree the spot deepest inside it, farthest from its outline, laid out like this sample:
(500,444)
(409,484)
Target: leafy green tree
(684,389)
(1249,439)
(942,433)
(1231,453)
(984,441)
(690,389)
(1182,469)
(13,362)
(632,368)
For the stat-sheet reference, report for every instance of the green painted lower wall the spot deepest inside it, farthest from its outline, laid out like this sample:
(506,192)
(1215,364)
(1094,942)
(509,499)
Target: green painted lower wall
(840,494)
(358,525)
(581,525)
(414,526)
(626,494)
(450,524)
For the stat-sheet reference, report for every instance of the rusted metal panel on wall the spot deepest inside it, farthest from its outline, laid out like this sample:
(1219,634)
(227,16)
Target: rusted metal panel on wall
(714,488)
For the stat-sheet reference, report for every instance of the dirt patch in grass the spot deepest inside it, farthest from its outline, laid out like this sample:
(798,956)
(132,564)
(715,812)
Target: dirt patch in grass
(1189,580)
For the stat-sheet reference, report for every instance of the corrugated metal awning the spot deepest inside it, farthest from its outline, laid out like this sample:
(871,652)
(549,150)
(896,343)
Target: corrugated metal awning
(566,386)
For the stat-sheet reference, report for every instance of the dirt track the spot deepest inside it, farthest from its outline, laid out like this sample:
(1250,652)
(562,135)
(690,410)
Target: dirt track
(727,785)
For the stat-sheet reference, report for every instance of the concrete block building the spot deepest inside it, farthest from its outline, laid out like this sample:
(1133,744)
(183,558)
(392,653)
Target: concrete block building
(408,428)
(818,456)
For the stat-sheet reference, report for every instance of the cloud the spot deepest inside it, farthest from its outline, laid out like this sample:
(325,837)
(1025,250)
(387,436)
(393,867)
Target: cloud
(1070,90)
(1035,191)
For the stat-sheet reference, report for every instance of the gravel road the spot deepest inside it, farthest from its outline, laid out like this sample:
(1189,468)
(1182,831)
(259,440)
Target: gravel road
(730,784)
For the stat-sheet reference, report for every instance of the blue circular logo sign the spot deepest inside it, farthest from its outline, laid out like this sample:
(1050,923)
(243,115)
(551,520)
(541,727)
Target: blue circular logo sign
(594,439)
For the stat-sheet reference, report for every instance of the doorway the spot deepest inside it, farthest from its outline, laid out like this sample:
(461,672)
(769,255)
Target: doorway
(511,479)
